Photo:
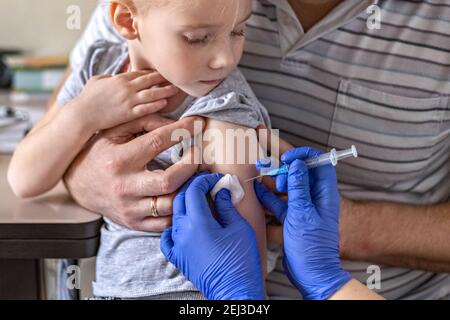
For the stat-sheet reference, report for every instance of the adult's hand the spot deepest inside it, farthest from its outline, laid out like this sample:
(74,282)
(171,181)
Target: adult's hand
(310,225)
(220,257)
(110,175)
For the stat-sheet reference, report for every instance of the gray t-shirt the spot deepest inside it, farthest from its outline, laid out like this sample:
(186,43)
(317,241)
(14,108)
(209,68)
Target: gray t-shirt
(130,263)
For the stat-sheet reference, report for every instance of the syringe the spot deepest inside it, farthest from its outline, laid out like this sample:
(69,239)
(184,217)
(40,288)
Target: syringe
(332,157)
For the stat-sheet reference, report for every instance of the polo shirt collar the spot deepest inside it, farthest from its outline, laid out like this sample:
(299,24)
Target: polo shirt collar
(292,34)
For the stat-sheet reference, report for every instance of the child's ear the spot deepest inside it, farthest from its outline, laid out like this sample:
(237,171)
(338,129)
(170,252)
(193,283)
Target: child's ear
(124,21)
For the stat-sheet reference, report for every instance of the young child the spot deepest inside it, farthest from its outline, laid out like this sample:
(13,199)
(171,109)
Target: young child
(195,45)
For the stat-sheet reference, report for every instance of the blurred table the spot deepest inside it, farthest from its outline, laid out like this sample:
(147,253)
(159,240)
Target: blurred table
(29,106)
(50,226)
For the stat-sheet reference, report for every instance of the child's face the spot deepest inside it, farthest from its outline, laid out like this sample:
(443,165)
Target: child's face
(194,44)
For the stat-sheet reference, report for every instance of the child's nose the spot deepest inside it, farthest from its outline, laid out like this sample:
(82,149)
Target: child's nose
(223,58)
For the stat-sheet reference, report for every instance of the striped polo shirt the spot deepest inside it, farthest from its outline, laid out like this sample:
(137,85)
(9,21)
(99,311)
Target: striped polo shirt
(343,82)
(386,91)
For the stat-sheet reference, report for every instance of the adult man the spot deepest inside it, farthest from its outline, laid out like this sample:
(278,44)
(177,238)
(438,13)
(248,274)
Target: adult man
(328,80)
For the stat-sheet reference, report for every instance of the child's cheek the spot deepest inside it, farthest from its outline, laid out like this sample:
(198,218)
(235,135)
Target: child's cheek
(186,69)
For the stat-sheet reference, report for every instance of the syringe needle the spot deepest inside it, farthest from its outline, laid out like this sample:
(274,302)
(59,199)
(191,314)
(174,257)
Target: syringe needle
(331,157)
(254,178)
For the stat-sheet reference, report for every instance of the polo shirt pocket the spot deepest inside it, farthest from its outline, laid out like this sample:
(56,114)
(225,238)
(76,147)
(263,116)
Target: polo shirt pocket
(399,138)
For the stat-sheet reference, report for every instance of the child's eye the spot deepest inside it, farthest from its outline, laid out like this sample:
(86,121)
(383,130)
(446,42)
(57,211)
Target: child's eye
(238,33)
(191,41)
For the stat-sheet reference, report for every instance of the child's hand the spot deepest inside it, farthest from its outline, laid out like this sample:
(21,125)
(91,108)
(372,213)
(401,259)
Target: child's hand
(108,101)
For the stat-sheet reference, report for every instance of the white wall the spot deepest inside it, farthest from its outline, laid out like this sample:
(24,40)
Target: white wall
(39,26)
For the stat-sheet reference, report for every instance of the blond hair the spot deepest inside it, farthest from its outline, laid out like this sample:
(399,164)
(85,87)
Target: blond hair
(139,6)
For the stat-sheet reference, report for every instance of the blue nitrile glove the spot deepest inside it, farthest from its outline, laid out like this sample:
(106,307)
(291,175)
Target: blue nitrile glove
(220,258)
(310,225)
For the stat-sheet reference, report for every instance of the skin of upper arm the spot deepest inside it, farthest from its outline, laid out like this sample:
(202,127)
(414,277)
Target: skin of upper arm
(243,171)
(249,207)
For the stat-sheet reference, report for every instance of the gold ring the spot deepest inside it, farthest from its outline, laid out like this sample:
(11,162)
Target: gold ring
(154,207)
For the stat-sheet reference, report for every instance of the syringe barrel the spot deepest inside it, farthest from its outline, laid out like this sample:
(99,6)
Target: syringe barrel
(351,152)
(323,159)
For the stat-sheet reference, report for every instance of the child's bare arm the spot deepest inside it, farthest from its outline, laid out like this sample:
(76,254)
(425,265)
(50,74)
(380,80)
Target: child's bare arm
(249,207)
(44,155)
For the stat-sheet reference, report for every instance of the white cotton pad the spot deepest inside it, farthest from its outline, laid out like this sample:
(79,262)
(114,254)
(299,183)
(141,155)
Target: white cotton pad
(233,185)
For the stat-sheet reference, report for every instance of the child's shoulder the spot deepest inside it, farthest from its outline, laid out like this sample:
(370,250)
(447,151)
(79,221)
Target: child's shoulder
(232,101)
(235,82)
(104,57)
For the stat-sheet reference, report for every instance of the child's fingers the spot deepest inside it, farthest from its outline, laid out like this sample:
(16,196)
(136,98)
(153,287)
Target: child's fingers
(129,76)
(147,81)
(155,94)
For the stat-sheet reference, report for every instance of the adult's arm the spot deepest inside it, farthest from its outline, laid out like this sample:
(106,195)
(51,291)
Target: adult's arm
(402,235)
(355,290)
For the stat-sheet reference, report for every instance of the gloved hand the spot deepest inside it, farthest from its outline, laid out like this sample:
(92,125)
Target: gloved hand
(310,225)
(220,257)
